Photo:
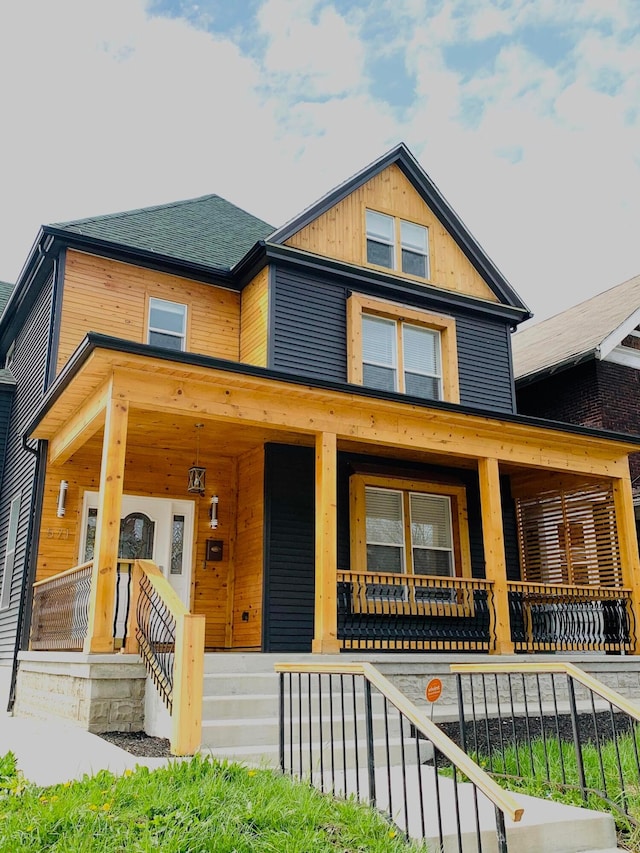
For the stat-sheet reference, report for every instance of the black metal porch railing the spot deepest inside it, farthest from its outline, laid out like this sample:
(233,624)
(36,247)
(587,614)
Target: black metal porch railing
(156,636)
(350,732)
(555,725)
(562,617)
(61,610)
(404,612)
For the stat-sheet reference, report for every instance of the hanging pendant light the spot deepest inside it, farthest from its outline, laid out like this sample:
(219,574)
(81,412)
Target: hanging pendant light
(196,473)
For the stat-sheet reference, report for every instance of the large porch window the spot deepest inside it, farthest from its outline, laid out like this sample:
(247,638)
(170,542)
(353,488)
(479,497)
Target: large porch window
(408,528)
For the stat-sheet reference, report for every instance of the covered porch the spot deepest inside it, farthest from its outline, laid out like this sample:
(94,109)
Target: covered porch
(539,550)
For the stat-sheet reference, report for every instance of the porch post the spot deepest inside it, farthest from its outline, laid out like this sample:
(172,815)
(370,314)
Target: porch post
(103,579)
(326,599)
(494,558)
(628,544)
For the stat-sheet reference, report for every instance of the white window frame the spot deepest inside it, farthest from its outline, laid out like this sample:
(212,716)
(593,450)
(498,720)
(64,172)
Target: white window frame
(10,552)
(398,244)
(398,362)
(155,301)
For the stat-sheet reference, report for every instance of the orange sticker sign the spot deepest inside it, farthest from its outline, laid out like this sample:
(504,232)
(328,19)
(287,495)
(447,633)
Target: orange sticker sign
(434,689)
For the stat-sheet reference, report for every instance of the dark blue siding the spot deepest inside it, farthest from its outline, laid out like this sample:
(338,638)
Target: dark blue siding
(290,534)
(310,338)
(28,367)
(289,548)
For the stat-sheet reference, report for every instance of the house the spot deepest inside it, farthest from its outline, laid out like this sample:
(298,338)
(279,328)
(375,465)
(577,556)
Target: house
(230,437)
(582,366)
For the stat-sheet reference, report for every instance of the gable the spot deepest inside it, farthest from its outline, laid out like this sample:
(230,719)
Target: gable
(340,233)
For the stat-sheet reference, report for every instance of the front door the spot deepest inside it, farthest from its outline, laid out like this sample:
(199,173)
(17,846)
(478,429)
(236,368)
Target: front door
(150,529)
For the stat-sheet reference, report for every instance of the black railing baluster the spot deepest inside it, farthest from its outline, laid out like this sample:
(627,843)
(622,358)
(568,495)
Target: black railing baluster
(310,728)
(575,728)
(355,736)
(344,737)
(477,816)
(557,721)
(456,803)
(371,761)
(436,780)
(281,721)
(542,729)
(603,775)
(461,715)
(513,725)
(614,732)
(320,726)
(420,791)
(501,832)
(331,724)
(300,739)
(486,724)
(403,765)
(385,706)
(500,735)
(525,698)
(291,723)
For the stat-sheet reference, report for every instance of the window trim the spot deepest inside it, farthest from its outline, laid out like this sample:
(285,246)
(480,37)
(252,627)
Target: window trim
(183,337)
(357,305)
(397,244)
(358,483)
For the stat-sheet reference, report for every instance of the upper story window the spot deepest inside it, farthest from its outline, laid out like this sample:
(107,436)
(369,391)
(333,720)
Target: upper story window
(167,324)
(395,348)
(399,356)
(397,244)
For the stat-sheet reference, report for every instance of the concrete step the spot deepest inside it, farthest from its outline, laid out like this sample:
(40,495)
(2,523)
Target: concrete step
(218,706)
(266,730)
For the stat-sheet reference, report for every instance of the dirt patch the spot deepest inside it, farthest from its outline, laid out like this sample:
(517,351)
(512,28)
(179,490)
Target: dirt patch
(139,743)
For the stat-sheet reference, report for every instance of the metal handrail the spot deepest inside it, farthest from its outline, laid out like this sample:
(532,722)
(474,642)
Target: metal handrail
(565,668)
(503,801)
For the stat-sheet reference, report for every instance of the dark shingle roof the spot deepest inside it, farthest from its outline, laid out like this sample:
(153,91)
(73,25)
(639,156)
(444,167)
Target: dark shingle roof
(6,290)
(207,230)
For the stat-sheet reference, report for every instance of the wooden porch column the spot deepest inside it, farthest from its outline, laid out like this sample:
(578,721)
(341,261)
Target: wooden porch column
(326,601)
(628,544)
(103,580)
(495,562)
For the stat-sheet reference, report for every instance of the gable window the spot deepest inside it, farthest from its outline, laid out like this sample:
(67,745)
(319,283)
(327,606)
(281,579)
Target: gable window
(394,348)
(397,244)
(167,324)
(412,528)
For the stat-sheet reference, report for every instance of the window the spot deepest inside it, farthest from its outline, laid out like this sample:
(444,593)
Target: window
(167,324)
(413,528)
(397,244)
(394,348)
(10,553)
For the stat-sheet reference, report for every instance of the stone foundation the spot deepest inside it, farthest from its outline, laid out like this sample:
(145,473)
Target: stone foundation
(99,693)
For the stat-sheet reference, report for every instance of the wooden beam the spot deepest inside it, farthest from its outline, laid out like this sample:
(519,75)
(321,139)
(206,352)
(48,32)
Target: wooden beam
(85,423)
(188,679)
(326,600)
(494,556)
(103,580)
(369,421)
(628,545)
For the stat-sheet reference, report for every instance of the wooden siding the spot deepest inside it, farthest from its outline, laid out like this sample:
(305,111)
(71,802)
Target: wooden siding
(102,295)
(28,367)
(248,579)
(340,233)
(254,320)
(150,471)
(310,339)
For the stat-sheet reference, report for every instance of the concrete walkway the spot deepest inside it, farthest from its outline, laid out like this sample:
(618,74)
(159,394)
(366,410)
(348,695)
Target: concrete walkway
(49,752)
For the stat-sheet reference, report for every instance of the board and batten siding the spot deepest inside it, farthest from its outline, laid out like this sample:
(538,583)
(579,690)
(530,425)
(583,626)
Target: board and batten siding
(340,233)
(310,339)
(29,368)
(111,297)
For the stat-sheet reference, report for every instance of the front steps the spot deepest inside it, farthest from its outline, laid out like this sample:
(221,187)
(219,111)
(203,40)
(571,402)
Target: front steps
(241,723)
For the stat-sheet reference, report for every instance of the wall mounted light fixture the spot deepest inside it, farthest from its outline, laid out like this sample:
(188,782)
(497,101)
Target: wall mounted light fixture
(62,498)
(213,513)
(197,474)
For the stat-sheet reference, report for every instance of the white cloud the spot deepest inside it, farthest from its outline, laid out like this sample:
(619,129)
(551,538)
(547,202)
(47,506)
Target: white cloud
(105,107)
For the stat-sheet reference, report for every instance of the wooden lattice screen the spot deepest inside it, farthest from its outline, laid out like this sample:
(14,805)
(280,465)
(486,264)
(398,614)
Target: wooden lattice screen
(569,536)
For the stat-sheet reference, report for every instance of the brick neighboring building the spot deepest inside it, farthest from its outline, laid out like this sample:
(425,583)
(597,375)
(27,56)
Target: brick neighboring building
(582,366)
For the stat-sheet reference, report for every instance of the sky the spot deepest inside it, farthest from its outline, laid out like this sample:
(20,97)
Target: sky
(525,113)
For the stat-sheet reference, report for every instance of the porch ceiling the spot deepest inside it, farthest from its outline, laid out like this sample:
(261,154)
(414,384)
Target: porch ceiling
(166,398)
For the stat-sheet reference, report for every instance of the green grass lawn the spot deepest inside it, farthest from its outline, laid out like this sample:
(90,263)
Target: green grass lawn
(195,805)
(549,770)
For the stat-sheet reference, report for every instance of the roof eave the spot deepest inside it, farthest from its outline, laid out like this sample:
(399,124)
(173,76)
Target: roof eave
(558,367)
